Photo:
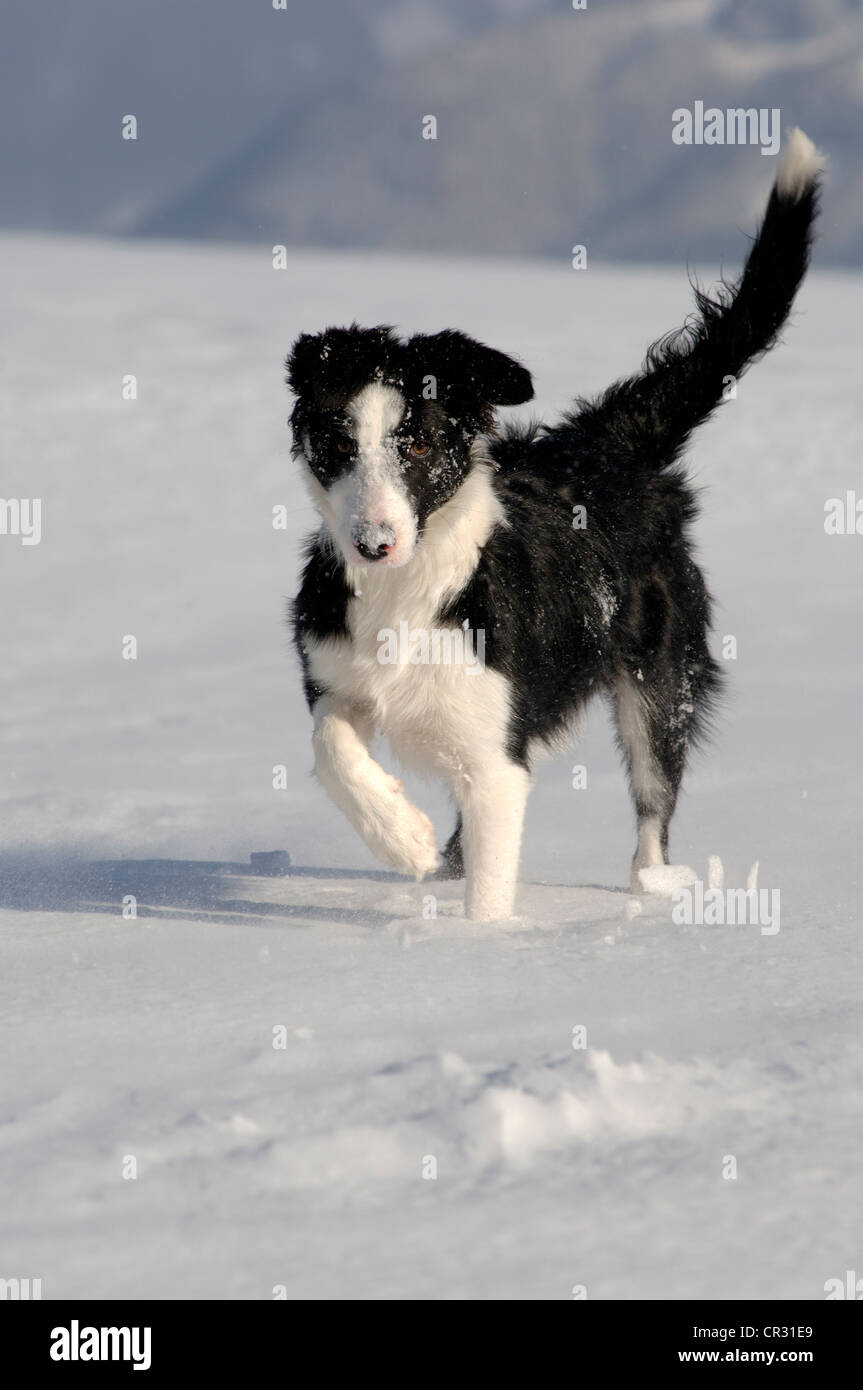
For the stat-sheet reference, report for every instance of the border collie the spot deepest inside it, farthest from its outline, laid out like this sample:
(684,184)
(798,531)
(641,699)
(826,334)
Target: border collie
(565,547)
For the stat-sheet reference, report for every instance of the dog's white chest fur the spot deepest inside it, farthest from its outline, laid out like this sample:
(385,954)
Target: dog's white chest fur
(436,713)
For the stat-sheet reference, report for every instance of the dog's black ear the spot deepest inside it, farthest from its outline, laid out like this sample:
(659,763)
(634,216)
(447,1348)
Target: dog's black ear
(304,360)
(340,359)
(307,360)
(465,369)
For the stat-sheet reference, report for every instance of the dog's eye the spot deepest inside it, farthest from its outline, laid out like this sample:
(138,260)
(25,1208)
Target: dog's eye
(418,450)
(345,445)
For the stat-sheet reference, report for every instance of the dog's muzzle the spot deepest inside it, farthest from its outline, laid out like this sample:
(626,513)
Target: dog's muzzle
(373,540)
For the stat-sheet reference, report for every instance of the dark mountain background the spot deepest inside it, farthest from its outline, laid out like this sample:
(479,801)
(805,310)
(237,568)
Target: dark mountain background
(303,126)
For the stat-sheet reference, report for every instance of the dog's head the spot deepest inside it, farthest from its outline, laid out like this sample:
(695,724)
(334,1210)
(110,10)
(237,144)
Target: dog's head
(386,428)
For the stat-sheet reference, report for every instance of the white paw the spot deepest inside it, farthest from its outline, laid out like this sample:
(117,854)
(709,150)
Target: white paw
(414,843)
(398,832)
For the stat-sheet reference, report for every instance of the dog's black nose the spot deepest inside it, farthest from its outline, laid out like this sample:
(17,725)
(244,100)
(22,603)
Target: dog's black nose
(373,541)
(369,554)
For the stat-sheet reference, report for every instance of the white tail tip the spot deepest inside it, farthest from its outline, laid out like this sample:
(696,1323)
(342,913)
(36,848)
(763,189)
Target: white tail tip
(799,165)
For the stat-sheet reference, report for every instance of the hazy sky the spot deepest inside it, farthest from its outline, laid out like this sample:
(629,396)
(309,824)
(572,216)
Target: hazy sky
(303,125)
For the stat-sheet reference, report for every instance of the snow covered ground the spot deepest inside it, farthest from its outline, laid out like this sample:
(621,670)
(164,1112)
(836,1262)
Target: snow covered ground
(406,1038)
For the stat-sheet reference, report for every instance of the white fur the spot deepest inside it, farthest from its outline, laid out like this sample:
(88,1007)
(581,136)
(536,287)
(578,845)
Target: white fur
(372,492)
(646,779)
(648,853)
(397,832)
(799,164)
(492,802)
(443,719)
(375,411)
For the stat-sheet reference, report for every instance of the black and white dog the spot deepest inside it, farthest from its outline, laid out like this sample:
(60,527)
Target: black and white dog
(436,525)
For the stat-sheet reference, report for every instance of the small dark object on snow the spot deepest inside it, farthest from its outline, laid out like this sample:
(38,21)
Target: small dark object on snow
(274,862)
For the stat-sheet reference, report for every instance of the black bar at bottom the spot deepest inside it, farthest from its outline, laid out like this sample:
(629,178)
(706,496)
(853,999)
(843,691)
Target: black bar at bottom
(152,1340)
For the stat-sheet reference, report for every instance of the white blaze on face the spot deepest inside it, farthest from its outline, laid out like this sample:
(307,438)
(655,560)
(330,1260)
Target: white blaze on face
(371,498)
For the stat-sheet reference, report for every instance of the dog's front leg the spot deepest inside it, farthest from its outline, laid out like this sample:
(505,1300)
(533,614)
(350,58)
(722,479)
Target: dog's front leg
(373,801)
(492,800)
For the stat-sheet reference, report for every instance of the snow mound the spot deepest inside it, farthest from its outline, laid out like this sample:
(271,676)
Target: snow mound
(473,1119)
(665,879)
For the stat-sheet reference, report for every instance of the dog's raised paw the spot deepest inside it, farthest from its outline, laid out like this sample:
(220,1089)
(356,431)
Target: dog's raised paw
(400,833)
(424,852)
(410,841)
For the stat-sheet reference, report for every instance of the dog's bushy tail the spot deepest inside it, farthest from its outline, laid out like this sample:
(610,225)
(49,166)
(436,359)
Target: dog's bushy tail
(686,374)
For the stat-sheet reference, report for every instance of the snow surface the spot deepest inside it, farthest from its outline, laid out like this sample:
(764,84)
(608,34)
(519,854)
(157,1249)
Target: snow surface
(406,1037)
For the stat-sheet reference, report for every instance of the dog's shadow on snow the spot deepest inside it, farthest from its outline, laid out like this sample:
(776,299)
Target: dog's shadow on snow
(185,889)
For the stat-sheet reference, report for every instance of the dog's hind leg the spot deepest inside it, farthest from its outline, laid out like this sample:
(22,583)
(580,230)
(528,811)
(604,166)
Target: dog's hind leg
(659,711)
(654,780)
